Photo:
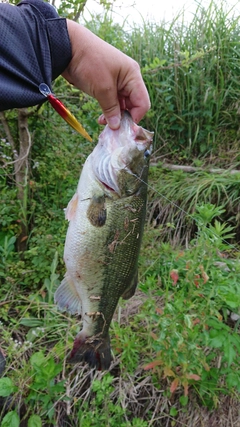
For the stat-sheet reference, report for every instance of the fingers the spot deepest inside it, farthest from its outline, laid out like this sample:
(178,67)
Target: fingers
(131,95)
(137,108)
(138,103)
(111,109)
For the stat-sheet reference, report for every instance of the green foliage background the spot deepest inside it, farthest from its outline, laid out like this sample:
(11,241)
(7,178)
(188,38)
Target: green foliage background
(181,337)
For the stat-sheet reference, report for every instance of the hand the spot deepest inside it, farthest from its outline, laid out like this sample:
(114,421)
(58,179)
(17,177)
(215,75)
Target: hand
(107,74)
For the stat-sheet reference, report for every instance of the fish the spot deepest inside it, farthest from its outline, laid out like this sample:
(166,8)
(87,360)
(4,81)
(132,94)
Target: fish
(106,219)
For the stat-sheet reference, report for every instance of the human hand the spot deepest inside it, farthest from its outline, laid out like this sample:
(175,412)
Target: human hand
(107,74)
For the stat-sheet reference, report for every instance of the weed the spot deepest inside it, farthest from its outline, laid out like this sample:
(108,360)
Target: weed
(181,334)
(43,389)
(193,344)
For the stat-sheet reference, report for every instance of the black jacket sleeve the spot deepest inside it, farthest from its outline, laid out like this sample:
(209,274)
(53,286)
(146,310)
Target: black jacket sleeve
(34,48)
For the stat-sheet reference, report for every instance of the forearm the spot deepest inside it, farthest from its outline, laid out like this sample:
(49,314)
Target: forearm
(35,48)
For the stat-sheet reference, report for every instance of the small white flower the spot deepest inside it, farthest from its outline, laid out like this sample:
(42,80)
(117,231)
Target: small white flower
(36,165)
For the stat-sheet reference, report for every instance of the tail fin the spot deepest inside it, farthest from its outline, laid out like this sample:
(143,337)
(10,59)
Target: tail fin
(94,351)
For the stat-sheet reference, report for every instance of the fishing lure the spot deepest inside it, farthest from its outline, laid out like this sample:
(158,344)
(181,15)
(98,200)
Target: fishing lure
(63,111)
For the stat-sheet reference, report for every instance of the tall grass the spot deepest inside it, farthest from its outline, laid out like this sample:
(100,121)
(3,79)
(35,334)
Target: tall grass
(192,72)
(173,197)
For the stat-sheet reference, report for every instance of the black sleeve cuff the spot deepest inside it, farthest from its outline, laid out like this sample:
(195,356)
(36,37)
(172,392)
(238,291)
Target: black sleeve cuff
(35,48)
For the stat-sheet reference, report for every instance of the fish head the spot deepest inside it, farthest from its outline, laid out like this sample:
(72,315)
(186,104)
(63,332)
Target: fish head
(121,157)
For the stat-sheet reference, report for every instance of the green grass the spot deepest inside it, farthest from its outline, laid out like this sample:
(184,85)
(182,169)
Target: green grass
(173,196)
(180,337)
(176,349)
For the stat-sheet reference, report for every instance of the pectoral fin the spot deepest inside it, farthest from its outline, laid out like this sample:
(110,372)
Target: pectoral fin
(130,291)
(66,296)
(71,208)
(97,213)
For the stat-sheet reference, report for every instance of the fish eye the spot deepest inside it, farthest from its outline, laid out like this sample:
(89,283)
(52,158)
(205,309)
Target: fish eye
(147,153)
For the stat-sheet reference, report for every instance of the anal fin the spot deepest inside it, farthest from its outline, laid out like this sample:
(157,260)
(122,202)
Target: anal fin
(66,296)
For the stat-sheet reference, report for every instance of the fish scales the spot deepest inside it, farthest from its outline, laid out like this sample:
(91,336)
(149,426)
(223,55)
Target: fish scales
(106,219)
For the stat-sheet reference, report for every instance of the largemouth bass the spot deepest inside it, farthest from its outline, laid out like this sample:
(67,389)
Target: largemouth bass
(106,218)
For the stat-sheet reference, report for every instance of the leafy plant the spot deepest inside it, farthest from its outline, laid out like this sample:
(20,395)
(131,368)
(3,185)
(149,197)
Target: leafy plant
(197,291)
(6,251)
(102,410)
(181,341)
(44,387)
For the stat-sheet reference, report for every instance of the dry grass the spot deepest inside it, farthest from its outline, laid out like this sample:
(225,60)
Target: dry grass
(139,396)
